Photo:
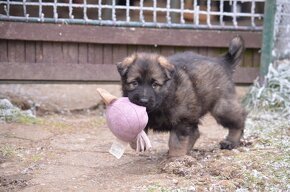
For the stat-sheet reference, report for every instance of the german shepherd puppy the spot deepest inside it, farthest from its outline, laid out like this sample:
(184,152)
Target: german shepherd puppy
(178,90)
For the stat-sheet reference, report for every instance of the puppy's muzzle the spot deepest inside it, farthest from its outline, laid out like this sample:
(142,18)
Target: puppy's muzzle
(143,101)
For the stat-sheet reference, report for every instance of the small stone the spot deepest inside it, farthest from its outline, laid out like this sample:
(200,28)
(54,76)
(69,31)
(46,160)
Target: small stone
(191,189)
(5,104)
(175,181)
(5,164)
(236,151)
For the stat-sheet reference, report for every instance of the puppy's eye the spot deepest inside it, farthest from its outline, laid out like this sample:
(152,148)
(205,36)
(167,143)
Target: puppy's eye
(133,84)
(155,85)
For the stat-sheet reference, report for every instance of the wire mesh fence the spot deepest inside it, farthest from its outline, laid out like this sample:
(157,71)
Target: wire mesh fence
(282,30)
(200,14)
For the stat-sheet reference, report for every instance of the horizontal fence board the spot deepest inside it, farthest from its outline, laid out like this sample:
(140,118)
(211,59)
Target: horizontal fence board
(122,35)
(58,72)
(87,72)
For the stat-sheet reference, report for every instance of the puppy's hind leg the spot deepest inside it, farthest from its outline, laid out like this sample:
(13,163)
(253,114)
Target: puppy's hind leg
(181,140)
(231,115)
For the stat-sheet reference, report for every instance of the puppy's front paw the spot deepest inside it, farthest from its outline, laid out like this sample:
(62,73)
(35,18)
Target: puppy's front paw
(226,144)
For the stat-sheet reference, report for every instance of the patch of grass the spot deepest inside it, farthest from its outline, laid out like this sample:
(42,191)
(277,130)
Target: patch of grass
(36,158)
(57,125)
(274,94)
(12,114)
(23,119)
(262,166)
(28,120)
(98,121)
(7,151)
(264,175)
(268,161)
(156,188)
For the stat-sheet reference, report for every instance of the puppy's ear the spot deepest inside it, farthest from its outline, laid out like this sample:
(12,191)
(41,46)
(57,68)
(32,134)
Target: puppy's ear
(167,66)
(125,64)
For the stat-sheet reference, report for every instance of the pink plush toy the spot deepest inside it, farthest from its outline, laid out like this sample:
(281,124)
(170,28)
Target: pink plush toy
(126,120)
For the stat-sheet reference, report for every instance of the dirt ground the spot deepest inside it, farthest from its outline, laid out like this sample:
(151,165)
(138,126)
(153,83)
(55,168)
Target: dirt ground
(70,153)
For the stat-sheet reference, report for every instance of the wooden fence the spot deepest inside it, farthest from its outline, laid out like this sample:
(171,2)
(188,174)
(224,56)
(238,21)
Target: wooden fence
(84,53)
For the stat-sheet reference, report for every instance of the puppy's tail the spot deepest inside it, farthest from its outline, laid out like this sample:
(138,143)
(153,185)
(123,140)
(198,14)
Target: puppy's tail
(235,52)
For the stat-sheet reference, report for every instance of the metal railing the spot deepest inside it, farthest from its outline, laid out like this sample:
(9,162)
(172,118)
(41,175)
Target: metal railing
(196,14)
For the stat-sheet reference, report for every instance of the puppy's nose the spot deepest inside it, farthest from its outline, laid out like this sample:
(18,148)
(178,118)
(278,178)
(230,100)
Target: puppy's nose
(144,100)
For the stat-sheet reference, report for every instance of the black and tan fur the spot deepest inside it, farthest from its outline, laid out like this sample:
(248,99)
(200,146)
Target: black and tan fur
(177,91)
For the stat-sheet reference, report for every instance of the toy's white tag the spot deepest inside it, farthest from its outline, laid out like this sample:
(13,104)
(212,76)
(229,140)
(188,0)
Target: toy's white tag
(118,148)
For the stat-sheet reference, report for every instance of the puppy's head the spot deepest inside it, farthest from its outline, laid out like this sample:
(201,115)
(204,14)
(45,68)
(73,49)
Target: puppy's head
(146,79)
